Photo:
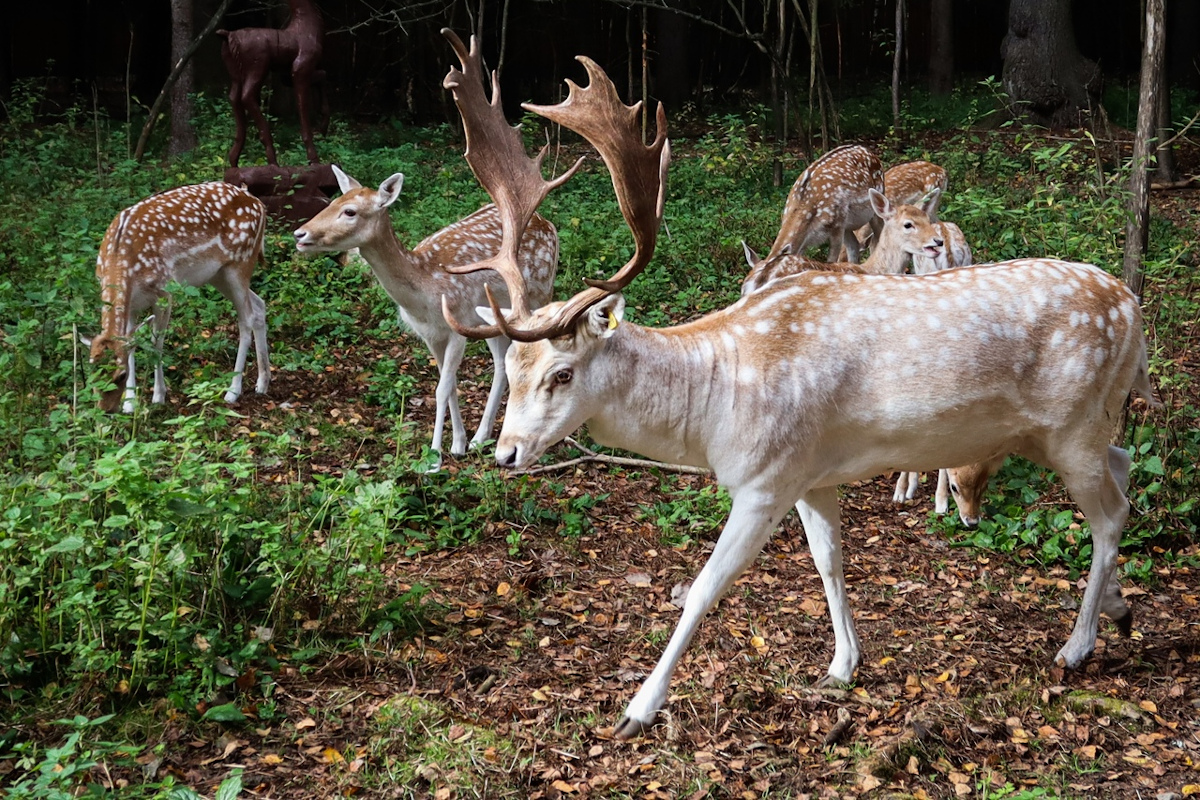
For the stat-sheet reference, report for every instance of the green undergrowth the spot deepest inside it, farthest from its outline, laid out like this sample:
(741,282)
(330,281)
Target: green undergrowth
(149,560)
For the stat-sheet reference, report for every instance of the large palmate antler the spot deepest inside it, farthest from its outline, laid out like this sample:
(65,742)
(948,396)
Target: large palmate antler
(498,159)
(515,184)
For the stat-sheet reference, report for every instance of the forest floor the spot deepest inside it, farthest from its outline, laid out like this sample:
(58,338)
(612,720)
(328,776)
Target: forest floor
(525,662)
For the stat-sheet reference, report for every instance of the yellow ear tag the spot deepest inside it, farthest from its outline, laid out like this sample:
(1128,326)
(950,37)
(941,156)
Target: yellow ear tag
(612,321)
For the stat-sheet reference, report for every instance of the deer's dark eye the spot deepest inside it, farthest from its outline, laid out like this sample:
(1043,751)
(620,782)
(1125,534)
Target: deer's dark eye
(562,377)
(350,212)
(908,226)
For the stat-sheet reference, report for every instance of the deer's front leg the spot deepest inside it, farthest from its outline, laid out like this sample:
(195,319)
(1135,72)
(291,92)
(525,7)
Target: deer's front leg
(754,515)
(499,346)
(262,356)
(942,498)
(822,527)
(847,239)
(449,358)
(236,288)
(130,382)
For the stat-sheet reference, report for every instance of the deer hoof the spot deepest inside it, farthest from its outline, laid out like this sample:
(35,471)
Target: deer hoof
(629,728)
(830,682)
(1125,624)
(1067,661)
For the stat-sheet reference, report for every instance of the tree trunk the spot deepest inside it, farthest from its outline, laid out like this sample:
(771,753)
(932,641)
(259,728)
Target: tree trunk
(1046,78)
(896,64)
(152,117)
(780,86)
(503,39)
(941,47)
(183,133)
(1138,227)
(671,77)
(1165,170)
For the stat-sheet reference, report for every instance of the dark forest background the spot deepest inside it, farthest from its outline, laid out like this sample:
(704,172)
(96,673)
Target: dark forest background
(386,60)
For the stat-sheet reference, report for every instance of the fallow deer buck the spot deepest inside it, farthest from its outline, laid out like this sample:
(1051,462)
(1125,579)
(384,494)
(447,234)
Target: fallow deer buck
(810,382)
(417,280)
(828,202)
(903,234)
(194,235)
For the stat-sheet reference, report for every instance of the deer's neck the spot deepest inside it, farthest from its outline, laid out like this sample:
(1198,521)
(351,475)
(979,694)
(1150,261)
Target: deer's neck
(663,392)
(889,258)
(114,294)
(396,267)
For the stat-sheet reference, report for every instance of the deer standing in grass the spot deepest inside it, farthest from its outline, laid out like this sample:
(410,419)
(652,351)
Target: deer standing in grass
(906,238)
(810,382)
(417,280)
(828,202)
(909,183)
(194,235)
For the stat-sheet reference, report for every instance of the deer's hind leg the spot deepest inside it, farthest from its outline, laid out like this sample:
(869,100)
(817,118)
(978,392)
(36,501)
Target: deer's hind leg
(162,318)
(1095,480)
(234,284)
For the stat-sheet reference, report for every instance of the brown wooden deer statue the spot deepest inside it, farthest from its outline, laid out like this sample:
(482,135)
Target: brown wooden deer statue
(250,53)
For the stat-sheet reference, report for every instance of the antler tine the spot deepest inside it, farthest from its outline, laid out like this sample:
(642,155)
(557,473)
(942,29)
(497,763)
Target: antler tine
(513,179)
(639,173)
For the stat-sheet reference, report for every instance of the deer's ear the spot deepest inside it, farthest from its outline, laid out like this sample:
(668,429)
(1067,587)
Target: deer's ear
(603,318)
(485,314)
(930,203)
(389,190)
(880,204)
(751,256)
(344,181)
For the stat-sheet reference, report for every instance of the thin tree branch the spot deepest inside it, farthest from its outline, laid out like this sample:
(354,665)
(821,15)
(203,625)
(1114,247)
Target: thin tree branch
(745,33)
(592,457)
(174,76)
(408,14)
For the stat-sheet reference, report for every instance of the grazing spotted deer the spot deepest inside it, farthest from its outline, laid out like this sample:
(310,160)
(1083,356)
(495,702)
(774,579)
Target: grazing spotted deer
(194,235)
(810,382)
(968,485)
(907,184)
(902,235)
(828,202)
(418,280)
